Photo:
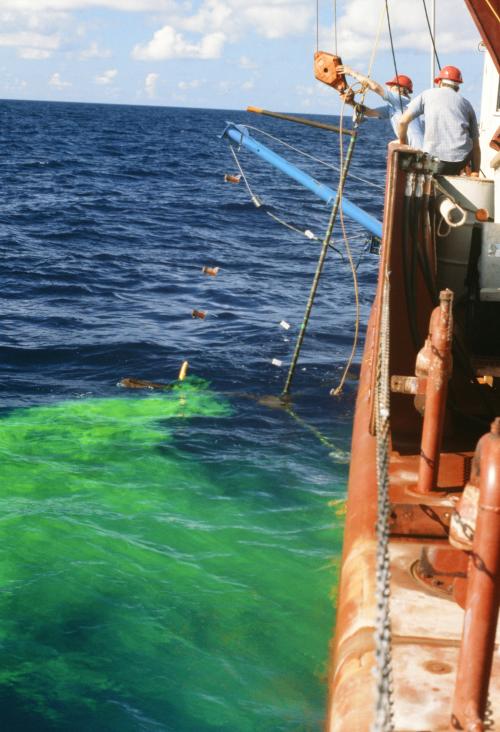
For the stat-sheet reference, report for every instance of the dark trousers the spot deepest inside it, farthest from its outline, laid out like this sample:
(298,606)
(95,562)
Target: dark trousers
(446,168)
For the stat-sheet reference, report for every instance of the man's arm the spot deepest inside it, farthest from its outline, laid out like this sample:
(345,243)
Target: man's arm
(476,150)
(367,111)
(372,85)
(403,127)
(476,156)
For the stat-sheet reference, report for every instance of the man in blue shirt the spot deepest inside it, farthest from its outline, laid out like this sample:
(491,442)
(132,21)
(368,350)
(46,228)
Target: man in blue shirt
(396,94)
(451,131)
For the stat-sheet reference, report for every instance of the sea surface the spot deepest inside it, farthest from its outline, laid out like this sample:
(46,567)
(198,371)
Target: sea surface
(170,557)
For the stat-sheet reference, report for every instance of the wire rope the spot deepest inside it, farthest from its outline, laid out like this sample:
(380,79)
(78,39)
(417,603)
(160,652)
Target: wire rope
(317,25)
(393,54)
(312,157)
(430,33)
(338,389)
(377,40)
(335,24)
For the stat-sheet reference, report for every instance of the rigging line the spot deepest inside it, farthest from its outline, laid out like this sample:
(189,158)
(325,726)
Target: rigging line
(242,173)
(492,9)
(335,23)
(273,216)
(319,266)
(338,389)
(430,33)
(377,41)
(291,226)
(393,54)
(317,25)
(312,157)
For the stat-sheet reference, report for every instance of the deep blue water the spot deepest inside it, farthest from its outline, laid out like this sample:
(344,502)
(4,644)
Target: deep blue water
(108,215)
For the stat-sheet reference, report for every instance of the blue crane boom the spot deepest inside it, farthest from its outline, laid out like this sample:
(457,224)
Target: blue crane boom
(241,136)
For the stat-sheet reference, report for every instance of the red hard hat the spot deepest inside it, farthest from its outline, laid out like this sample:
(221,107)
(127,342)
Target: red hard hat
(451,73)
(401,80)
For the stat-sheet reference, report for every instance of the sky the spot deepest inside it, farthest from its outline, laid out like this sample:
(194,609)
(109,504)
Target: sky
(223,54)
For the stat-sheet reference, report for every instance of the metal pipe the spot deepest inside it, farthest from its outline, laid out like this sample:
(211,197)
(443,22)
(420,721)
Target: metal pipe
(301,120)
(483,593)
(435,394)
(240,135)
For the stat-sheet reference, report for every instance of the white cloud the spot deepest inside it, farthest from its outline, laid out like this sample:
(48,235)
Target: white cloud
(93,51)
(247,63)
(106,77)
(248,84)
(271,19)
(33,54)
(29,43)
(167,43)
(68,5)
(357,29)
(192,84)
(56,81)
(278,21)
(150,84)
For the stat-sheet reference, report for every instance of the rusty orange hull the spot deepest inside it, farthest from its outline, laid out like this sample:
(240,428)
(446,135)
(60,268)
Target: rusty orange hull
(431,578)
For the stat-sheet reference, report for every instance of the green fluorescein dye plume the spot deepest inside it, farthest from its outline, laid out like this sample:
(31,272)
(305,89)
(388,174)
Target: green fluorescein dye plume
(137,591)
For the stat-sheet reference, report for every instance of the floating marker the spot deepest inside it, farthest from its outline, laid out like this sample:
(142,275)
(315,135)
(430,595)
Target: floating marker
(201,314)
(310,234)
(212,271)
(256,201)
(132,383)
(232,178)
(277,362)
(285,325)
(183,370)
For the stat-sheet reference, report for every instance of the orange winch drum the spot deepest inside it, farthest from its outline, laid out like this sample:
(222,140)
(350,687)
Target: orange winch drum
(325,70)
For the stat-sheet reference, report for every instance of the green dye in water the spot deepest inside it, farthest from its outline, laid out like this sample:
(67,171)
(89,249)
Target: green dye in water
(137,593)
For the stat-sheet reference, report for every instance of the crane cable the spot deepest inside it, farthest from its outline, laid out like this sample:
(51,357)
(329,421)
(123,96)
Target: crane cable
(335,391)
(430,33)
(393,53)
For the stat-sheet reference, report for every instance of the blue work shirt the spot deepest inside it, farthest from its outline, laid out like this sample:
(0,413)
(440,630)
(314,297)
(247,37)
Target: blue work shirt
(450,123)
(392,111)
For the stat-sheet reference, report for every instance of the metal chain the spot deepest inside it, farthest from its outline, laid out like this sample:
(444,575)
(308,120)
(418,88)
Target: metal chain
(384,708)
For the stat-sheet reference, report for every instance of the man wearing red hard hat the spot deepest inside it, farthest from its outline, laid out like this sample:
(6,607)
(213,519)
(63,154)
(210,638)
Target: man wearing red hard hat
(396,96)
(451,131)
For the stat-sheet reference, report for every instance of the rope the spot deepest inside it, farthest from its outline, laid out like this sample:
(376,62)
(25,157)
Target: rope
(492,10)
(321,261)
(338,389)
(247,184)
(335,23)
(377,40)
(312,157)
(393,54)
(311,236)
(430,33)
(317,25)
(257,201)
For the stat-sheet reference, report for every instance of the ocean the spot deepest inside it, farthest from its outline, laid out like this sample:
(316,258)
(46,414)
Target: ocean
(170,558)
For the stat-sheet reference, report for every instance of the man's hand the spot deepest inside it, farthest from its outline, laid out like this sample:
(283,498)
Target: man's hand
(348,97)
(344,69)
